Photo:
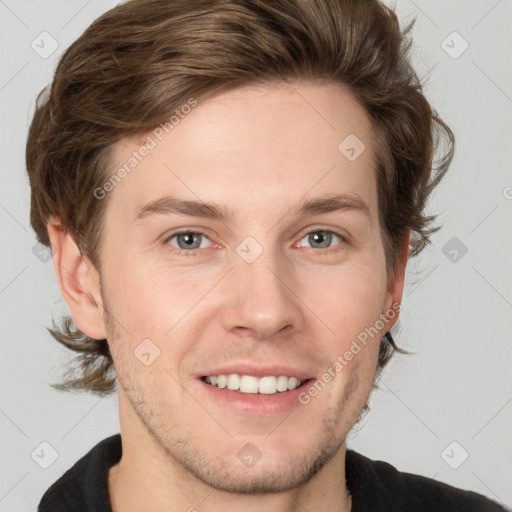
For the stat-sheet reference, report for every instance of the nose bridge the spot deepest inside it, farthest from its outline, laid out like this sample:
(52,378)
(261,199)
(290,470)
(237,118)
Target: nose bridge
(261,300)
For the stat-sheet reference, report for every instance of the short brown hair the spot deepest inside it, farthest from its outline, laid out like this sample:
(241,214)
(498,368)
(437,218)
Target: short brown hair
(143,59)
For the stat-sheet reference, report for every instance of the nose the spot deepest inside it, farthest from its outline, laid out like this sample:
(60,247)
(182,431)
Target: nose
(261,300)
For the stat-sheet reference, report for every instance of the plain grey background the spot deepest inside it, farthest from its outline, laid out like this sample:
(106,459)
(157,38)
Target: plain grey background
(444,412)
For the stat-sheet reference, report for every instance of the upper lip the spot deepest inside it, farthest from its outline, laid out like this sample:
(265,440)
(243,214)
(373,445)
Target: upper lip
(257,371)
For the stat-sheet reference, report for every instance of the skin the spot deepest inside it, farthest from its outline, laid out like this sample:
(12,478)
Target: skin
(259,151)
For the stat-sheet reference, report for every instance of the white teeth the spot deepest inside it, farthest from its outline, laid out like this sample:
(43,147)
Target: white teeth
(221,381)
(233,382)
(282,383)
(249,384)
(268,385)
(292,383)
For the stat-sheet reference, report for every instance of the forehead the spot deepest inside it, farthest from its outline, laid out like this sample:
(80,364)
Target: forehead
(255,149)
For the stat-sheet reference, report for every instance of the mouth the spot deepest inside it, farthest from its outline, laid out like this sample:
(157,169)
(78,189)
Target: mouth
(253,385)
(244,388)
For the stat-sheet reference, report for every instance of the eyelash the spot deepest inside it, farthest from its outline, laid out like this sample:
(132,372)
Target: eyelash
(195,252)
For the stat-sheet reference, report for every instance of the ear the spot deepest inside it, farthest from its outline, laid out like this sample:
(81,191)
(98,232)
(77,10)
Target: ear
(396,285)
(78,281)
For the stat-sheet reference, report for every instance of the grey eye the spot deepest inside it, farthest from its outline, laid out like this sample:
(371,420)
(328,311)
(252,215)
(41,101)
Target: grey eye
(188,240)
(321,239)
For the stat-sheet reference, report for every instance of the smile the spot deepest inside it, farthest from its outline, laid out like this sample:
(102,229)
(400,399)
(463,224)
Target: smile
(249,384)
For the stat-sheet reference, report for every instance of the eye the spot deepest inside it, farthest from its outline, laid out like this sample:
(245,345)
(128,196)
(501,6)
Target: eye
(188,240)
(322,239)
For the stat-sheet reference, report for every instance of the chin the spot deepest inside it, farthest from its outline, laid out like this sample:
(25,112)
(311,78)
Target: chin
(265,477)
(259,467)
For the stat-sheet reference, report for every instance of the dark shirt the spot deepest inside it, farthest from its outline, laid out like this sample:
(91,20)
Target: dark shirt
(375,486)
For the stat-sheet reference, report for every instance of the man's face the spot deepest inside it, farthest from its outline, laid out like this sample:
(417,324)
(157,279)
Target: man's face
(265,291)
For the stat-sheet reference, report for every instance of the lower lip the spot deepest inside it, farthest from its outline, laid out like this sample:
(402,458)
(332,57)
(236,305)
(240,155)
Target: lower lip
(257,404)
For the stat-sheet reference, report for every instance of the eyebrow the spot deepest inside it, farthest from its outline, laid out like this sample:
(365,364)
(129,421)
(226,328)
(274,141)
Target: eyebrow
(174,205)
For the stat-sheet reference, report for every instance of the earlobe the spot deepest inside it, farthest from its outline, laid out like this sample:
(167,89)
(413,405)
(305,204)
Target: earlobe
(78,281)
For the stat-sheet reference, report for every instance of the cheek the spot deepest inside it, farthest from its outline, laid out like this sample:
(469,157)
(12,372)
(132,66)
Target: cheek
(349,298)
(149,298)
(349,301)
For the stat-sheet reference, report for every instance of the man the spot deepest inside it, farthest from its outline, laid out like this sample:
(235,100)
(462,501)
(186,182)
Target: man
(231,191)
